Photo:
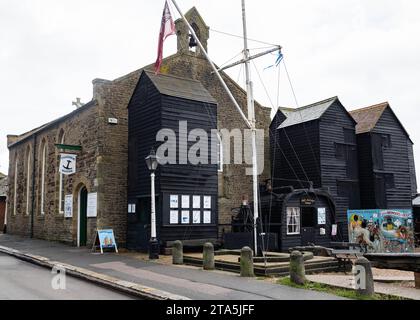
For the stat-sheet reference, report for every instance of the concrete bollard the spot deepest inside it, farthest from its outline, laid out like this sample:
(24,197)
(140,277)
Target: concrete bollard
(178,253)
(297,268)
(247,262)
(362,271)
(208,256)
(417,279)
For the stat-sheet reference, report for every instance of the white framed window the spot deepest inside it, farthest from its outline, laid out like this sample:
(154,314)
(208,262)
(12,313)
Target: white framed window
(28,180)
(293,221)
(43,165)
(61,196)
(15,188)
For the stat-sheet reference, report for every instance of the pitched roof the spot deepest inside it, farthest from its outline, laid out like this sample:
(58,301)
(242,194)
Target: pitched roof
(367,118)
(180,87)
(305,114)
(29,134)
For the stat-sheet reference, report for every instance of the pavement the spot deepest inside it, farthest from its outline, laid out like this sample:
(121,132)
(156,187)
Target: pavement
(20,280)
(391,285)
(152,279)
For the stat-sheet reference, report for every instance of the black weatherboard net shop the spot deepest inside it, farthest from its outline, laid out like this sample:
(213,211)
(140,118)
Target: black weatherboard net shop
(299,217)
(386,161)
(186,194)
(315,146)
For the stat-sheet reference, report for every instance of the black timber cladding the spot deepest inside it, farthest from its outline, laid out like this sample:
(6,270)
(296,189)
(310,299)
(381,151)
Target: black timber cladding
(163,102)
(317,143)
(274,208)
(386,156)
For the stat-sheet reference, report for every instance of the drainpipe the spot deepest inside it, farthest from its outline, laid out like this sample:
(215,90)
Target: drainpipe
(33,187)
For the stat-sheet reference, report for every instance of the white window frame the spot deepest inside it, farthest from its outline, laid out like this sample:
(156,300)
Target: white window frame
(28,181)
(61,196)
(293,212)
(44,156)
(15,188)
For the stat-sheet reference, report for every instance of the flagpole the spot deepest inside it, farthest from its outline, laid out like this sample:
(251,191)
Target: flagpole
(251,119)
(213,66)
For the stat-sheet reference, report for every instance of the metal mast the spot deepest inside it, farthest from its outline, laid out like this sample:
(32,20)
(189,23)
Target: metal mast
(251,119)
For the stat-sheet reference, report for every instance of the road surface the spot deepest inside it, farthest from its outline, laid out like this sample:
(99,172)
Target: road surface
(20,280)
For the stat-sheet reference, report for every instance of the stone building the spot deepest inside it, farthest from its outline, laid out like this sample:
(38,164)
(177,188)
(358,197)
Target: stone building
(37,190)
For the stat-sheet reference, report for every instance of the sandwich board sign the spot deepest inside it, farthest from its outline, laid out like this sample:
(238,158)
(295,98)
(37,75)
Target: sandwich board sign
(105,239)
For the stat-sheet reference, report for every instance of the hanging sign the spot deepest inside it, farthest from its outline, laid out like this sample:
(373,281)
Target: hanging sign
(307,201)
(68,164)
(106,240)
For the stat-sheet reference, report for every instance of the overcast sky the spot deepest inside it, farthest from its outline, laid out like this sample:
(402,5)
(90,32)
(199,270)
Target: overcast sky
(364,51)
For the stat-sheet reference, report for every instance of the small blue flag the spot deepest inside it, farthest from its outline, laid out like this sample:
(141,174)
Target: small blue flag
(279,59)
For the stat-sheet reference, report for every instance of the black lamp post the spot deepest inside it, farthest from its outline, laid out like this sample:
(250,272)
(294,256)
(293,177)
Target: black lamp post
(152,164)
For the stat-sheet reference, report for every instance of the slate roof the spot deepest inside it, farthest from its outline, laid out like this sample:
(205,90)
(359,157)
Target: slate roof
(367,118)
(3,185)
(180,87)
(305,114)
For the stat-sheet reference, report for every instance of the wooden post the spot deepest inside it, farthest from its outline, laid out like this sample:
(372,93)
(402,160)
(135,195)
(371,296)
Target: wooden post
(208,256)
(297,268)
(178,253)
(364,284)
(247,262)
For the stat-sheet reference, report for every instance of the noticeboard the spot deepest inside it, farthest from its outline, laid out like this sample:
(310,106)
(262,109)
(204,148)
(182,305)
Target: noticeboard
(105,239)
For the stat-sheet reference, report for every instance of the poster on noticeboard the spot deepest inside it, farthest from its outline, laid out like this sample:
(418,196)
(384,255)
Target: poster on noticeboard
(382,231)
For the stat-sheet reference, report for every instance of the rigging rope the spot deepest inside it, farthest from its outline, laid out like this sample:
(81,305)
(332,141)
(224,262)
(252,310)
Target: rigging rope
(241,37)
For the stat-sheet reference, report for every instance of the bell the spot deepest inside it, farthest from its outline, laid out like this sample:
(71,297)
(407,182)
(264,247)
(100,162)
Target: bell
(192,43)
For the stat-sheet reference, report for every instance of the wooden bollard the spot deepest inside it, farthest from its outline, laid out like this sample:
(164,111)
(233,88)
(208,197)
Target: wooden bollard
(208,256)
(178,253)
(297,268)
(247,262)
(417,279)
(363,277)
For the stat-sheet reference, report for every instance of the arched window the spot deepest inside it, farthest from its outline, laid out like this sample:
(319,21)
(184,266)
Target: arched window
(28,179)
(43,170)
(15,187)
(61,196)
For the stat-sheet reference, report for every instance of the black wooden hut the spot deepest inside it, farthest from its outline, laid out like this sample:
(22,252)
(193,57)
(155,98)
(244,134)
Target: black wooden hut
(186,193)
(315,146)
(298,217)
(386,161)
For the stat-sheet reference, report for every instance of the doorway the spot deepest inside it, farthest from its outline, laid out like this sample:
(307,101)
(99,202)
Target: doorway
(82,222)
(309,222)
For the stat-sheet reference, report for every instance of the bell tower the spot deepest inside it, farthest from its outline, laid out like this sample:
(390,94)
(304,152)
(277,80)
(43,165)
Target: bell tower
(186,42)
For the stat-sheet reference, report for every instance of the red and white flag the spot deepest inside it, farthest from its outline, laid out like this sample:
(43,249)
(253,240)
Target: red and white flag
(167,29)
